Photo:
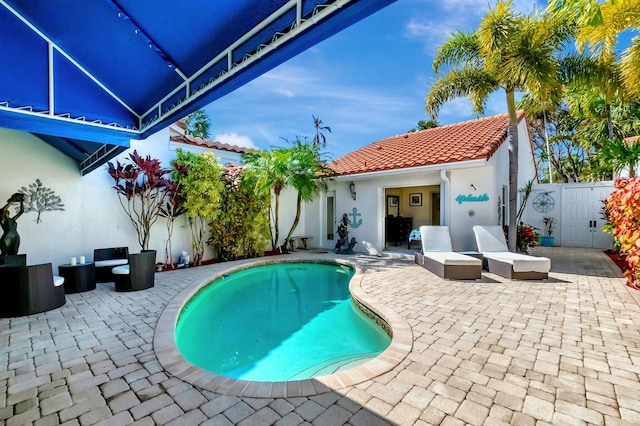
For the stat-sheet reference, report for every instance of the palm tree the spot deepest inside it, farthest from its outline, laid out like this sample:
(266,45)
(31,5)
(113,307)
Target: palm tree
(267,171)
(308,176)
(599,27)
(198,124)
(319,139)
(593,79)
(553,131)
(509,51)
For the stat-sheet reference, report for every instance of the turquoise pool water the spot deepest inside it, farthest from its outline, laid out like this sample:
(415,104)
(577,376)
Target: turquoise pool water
(278,322)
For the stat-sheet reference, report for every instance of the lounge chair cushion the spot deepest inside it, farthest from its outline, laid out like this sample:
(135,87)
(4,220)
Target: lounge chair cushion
(58,280)
(521,262)
(452,258)
(435,238)
(110,262)
(490,239)
(121,270)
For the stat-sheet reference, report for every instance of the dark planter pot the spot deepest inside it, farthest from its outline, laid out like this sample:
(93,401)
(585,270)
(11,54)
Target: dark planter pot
(546,241)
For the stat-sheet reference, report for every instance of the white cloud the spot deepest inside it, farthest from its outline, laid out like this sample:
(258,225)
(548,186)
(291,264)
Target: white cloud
(235,139)
(458,15)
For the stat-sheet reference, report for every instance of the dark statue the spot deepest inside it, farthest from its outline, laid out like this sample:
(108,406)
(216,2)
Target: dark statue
(10,240)
(344,246)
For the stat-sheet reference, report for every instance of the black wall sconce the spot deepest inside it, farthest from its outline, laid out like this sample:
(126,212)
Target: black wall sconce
(352,188)
(474,187)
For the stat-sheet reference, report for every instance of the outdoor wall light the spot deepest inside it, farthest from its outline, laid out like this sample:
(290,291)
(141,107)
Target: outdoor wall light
(352,188)
(474,187)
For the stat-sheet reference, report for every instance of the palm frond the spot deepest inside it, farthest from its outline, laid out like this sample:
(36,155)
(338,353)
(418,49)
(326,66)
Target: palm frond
(470,82)
(630,67)
(496,31)
(459,48)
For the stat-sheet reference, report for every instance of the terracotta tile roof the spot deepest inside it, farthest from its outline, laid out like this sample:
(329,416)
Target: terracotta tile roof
(469,140)
(206,143)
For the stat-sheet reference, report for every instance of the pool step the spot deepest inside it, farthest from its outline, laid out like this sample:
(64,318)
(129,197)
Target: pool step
(333,365)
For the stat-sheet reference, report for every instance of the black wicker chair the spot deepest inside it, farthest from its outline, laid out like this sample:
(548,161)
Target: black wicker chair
(28,289)
(139,274)
(105,259)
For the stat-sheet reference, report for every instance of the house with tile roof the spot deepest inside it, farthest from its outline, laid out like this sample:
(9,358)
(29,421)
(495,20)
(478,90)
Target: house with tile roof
(455,175)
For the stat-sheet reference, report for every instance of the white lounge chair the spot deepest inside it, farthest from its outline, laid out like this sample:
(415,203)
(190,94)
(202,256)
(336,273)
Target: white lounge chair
(438,256)
(493,246)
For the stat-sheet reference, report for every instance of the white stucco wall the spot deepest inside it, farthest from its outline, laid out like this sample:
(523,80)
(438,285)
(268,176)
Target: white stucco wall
(464,215)
(93,217)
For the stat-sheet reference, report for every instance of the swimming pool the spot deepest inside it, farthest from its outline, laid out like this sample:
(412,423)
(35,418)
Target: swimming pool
(278,322)
(175,364)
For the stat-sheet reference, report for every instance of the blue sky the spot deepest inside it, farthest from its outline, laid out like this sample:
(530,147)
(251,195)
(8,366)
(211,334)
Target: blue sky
(367,82)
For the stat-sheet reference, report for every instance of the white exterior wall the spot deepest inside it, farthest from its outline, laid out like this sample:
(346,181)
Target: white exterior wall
(371,204)
(526,167)
(288,199)
(463,216)
(93,217)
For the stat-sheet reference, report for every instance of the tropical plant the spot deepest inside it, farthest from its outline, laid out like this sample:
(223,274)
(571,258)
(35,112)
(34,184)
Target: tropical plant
(424,125)
(268,171)
(595,83)
(141,186)
(599,26)
(619,155)
(319,139)
(623,211)
(242,223)
(201,189)
(39,199)
(172,208)
(509,51)
(548,225)
(308,177)
(553,134)
(198,124)
(526,237)
(525,192)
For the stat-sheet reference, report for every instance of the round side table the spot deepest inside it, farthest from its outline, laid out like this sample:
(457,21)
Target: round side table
(78,278)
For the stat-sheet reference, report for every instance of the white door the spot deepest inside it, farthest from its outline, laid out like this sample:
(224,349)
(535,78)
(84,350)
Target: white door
(582,220)
(329,231)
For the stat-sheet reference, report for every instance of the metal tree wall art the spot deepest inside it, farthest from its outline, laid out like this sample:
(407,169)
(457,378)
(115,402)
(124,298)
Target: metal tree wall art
(38,198)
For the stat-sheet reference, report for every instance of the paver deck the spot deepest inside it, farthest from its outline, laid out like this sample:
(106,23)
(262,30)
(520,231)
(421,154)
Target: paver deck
(562,351)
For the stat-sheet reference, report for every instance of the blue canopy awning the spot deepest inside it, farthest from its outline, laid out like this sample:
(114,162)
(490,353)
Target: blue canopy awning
(89,75)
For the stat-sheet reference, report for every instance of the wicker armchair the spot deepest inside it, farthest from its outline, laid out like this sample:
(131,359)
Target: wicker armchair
(28,289)
(105,259)
(138,274)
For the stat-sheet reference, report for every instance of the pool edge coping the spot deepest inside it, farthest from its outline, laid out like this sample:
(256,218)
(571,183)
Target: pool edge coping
(175,364)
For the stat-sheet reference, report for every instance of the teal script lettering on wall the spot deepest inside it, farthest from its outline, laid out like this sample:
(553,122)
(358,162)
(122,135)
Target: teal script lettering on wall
(472,198)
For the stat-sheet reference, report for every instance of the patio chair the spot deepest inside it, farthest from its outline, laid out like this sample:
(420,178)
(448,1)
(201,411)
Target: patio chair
(28,289)
(493,246)
(138,274)
(105,259)
(438,256)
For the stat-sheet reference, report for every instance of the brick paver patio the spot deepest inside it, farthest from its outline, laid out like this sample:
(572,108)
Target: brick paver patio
(562,351)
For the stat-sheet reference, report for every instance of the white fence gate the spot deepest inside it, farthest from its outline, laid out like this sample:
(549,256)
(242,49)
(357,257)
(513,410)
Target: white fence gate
(577,210)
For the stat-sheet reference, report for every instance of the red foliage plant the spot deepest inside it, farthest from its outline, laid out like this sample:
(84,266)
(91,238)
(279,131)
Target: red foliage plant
(623,212)
(141,186)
